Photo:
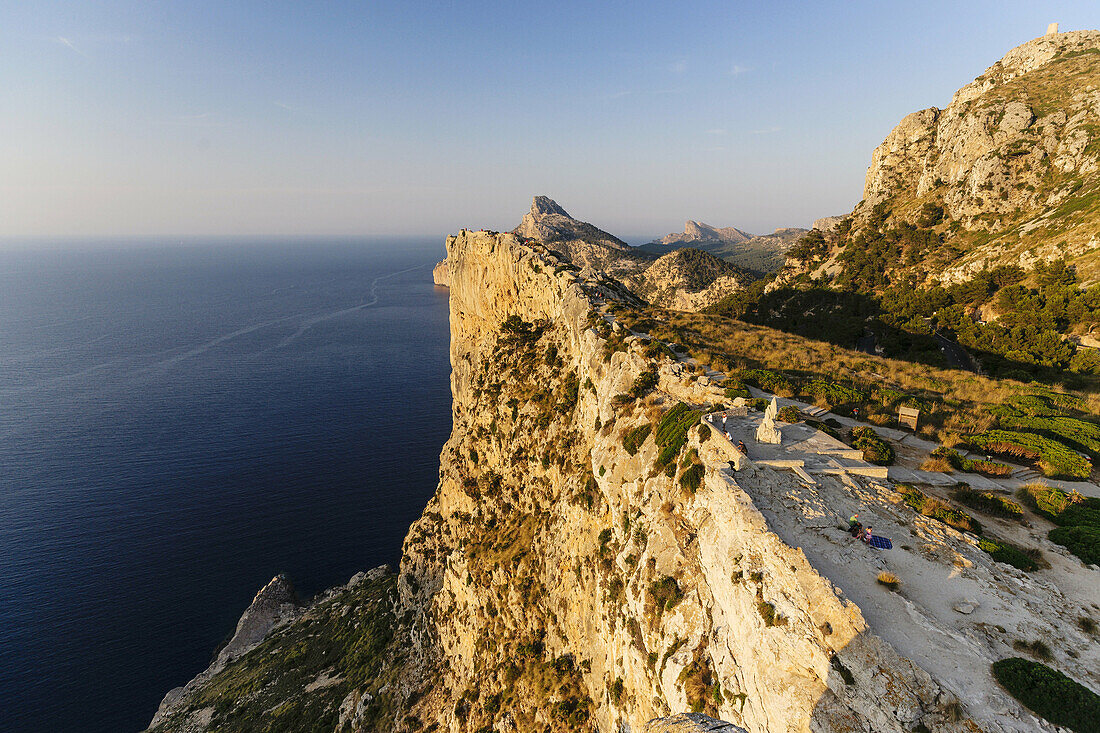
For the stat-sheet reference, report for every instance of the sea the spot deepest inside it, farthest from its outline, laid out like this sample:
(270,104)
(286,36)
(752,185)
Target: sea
(180,421)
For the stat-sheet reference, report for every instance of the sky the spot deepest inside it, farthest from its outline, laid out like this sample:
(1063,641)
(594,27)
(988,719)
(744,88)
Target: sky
(132,119)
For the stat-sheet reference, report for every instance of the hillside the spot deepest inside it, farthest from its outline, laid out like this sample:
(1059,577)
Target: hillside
(1007,174)
(757,254)
(687,279)
(979,225)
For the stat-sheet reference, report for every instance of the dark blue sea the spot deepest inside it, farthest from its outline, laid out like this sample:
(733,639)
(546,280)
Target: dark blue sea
(181,421)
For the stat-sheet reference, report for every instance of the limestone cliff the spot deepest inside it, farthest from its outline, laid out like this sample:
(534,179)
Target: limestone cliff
(1013,162)
(568,574)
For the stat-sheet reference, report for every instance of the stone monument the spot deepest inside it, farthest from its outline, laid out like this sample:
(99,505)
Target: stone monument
(1052,29)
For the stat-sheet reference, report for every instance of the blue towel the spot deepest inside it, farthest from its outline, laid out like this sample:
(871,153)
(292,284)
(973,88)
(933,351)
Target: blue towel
(881,543)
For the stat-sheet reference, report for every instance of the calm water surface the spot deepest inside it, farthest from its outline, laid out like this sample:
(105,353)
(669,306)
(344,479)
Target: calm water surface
(179,423)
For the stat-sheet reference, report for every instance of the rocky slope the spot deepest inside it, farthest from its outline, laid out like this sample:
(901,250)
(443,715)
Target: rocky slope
(583,244)
(759,254)
(1013,163)
(688,279)
(685,279)
(696,233)
(566,576)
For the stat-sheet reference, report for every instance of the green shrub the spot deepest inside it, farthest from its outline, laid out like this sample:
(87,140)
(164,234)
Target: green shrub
(634,438)
(1008,553)
(988,502)
(1049,693)
(1077,433)
(985,468)
(1054,458)
(875,449)
(704,433)
(733,393)
(936,509)
(1082,541)
(1068,510)
(672,430)
(833,393)
(767,380)
(644,384)
(665,593)
(692,477)
(789,413)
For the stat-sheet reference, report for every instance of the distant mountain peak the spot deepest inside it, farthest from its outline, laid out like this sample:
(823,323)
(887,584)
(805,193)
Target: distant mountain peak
(543,205)
(549,222)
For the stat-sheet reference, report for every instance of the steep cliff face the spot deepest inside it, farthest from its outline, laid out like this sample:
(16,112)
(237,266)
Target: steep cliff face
(550,544)
(1013,160)
(579,568)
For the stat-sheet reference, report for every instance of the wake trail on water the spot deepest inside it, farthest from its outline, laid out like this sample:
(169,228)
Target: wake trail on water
(372,299)
(310,322)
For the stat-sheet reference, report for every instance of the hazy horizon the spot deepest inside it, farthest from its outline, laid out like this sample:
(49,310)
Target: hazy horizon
(124,119)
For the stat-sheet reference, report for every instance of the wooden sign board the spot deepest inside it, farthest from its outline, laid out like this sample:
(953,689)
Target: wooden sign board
(907,416)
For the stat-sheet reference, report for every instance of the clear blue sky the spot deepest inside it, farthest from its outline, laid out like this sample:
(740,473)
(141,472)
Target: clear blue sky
(197,118)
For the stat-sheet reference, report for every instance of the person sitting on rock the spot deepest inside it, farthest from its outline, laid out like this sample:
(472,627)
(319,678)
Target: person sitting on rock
(741,447)
(867,535)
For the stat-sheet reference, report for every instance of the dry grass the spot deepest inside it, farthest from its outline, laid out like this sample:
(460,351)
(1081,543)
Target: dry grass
(938,464)
(953,402)
(889,580)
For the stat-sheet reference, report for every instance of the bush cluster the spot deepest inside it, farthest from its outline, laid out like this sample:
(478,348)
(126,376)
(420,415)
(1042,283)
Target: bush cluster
(988,502)
(634,438)
(985,468)
(936,509)
(644,384)
(1049,693)
(671,433)
(875,449)
(1054,459)
(767,380)
(833,393)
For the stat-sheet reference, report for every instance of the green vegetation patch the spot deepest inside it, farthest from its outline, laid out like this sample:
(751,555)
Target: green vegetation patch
(985,468)
(1049,693)
(875,449)
(988,502)
(1080,434)
(672,430)
(1008,553)
(832,393)
(1082,541)
(767,380)
(346,642)
(1054,458)
(644,384)
(634,438)
(931,507)
(692,477)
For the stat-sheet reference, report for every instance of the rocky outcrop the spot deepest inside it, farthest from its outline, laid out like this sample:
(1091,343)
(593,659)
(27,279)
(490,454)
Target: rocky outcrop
(581,243)
(274,605)
(688,279)
(698,233)
(690,723)
(440,275)
(1008,157)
